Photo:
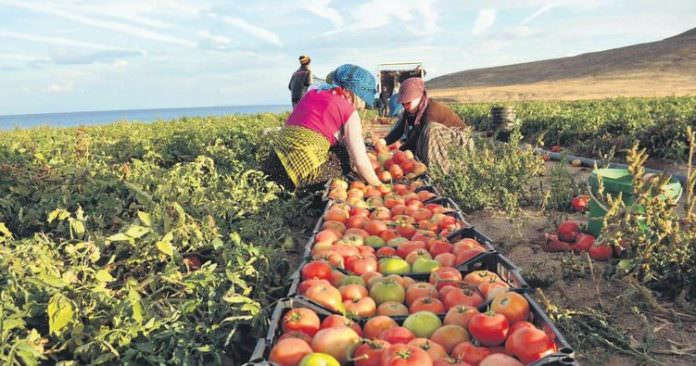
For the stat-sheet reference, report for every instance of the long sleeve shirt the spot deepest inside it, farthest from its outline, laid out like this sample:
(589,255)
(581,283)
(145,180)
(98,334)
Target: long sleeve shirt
(435,112)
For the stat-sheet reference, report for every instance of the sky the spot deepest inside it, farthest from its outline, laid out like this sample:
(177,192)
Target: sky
(87,55)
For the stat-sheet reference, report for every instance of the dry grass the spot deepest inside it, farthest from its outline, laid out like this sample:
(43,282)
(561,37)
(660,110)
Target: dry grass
(630,85)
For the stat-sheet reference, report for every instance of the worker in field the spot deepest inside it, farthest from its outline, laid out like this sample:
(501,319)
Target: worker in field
(300,80)
(384,101)
(428,127)
(323,134)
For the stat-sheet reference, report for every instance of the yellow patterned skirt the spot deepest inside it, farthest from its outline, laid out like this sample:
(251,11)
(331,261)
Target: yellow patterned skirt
(302,152)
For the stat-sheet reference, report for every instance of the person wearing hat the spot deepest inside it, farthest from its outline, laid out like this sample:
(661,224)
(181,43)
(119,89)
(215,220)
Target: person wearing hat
(323,134)
(300,80)
(429,128)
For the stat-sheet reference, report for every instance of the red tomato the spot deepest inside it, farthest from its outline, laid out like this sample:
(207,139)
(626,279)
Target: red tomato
(337,321)
(316,269)
(499,359)
(418,290)
(397,335)
(378,324)
(601,252)
(369,353)
(405,355)
(568,230)
(511,304)
(439,246)
(363,308)
(529,345)
(359,264)
(301,319)
(327,296)
(434,350)
(460,315)
(580,202)
(467,352)
(289,351)
(449,361)
(296,334)
(489,328)
(306,284)
(445,275)
(460,296)
(427,304)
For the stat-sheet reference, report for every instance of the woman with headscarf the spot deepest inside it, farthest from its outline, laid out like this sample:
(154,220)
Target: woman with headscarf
(429,127)
(307,150)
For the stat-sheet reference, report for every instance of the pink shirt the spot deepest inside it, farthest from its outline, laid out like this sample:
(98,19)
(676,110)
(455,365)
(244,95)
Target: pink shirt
(322,111)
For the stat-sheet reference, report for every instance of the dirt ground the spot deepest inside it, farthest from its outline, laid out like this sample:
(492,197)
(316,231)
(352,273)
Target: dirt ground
(572,281)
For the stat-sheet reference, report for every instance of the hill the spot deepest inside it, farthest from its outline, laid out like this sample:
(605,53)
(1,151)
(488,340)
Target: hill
(662,68)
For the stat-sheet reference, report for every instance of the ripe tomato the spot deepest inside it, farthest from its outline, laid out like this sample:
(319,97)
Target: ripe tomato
(397,335)
(336,214)
(568,230)
(316,269)
(336,341)
(327,296)
(445,259)
(375,227)
(460,296)
(450,335)
(431,304)
(434,350)
(469,353)
(296,334)
(356,222)
(449,361)
(580,202)
(335,320)
(529,345)
(363,308)
(460,315)
(500,359)
(360,264)
(601,252)
(405,355)
(489,328)
(289,351)
(439,246)
(301,319)
(512,305)
(443,276)
(477,277)
(369,353)
(329,234)
(377,324)
(418,290)
(306,284)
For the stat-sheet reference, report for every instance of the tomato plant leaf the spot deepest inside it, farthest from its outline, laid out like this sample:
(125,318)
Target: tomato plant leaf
(136,306)
(119,237)
(165,247)
(145,218)
(60,313)
(136,231)
(104,276)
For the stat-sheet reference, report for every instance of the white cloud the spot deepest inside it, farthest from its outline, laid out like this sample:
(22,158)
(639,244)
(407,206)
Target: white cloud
(484,20)
(60,88)
(323,9)
(57,41)
(545,8)
(104,24)
(419,17)
(249,28)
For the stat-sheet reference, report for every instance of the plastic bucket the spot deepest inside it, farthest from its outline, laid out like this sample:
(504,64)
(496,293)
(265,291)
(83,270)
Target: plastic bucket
(617,181)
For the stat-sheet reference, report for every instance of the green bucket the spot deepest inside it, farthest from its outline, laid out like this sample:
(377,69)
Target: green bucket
(617,181)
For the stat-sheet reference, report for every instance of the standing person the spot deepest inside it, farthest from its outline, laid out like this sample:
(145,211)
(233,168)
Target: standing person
(384,101)
(300,80)
(429,127)
(309,149)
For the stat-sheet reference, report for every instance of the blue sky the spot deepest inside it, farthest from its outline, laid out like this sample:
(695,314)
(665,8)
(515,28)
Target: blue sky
(72,55)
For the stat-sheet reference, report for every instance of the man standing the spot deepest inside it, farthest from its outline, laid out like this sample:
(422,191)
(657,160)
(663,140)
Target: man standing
(300,80)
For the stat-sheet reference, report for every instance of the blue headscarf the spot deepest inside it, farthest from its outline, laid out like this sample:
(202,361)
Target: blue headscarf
(356,79)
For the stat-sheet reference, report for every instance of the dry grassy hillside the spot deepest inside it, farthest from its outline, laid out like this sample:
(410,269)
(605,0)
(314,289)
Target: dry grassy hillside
(662,68)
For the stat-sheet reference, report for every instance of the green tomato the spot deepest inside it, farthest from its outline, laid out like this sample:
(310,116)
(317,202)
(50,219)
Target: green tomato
(352,279)
(423,323)
(425,265)
(319,359)
(387,290)
(375,241)
(394,265)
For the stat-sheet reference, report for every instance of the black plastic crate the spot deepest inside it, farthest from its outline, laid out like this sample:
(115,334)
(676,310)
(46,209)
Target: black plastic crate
(566,354)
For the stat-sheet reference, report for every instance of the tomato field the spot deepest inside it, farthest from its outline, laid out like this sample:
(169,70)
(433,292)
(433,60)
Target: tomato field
(143,243)
(164,243)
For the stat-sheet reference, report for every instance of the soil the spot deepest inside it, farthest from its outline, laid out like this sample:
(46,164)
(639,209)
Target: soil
(573,281)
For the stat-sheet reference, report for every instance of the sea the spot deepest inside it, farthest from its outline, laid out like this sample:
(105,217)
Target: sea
(72,119)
